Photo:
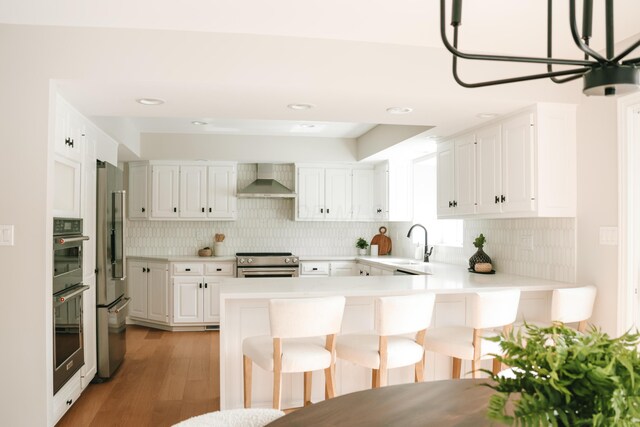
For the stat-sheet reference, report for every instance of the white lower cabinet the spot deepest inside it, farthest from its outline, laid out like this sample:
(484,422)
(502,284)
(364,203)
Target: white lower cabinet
(67,396)
(147,286)
(196,297)
(314,268)
(342,268)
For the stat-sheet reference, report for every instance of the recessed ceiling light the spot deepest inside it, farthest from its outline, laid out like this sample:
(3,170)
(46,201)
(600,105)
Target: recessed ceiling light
(486,115)
(307,126)
(399,110)
(300,106)
(150,101)
(199,123)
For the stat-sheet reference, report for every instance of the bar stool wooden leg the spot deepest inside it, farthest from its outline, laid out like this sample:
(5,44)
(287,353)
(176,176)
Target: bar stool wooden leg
(419,367)
(307,388)
(456,368)
(497,367)
(382,372)
(329,385)
(247,365)
(277,372)
(374,378)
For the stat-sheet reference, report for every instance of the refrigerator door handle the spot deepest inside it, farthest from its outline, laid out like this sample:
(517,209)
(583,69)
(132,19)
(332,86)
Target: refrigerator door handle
(118,260)
(120,307)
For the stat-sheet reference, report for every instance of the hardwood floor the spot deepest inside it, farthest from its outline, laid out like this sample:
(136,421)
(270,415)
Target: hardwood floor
(166,377)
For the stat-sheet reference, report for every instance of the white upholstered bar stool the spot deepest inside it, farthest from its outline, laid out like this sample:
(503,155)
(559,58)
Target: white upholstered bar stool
(296,344)
(568,305)
(388,347)
(491,309)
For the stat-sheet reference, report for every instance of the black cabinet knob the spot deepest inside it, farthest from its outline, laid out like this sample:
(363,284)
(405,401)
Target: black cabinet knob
(143,209)
(144,270)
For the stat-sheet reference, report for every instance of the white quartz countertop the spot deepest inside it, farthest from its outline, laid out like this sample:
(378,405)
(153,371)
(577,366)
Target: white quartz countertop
(442,279)
(178,258)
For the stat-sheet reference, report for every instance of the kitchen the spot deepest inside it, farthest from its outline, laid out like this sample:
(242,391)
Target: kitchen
(94,55)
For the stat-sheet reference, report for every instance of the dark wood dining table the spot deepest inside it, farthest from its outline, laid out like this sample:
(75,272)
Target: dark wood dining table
(435,403)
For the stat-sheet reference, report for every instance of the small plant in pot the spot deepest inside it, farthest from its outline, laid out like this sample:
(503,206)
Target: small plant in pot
(561,377)
(362,245)
(480,258)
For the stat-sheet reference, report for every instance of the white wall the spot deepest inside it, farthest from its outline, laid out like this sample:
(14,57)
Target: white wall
(598,204)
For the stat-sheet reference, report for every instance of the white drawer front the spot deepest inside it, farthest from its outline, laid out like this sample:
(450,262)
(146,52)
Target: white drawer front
(188,269)
(219,269)
(311,268)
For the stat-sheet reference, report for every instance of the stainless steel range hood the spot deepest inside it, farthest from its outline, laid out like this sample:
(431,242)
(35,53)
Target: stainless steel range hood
(266,186)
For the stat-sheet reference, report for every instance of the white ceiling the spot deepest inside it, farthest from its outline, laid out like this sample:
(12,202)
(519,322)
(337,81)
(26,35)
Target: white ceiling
(242,61)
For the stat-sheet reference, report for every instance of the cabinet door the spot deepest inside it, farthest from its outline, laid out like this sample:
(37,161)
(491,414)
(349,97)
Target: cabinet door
(193,191)
(137,288)
(310,193)
(465,175)
(488,170)
(212,299)
(89,331)
(446,176)
(362,195)
(517,164)
(381,191)
(157,292)
(66,187)
(337,193)
(221,192)
(138,192)
(164,191)
(69,131)
(187,299)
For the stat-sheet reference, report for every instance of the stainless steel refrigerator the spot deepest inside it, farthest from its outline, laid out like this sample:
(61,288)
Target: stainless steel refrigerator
(110,270)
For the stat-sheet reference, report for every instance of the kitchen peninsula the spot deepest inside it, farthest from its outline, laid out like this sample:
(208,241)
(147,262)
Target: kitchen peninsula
(244,313)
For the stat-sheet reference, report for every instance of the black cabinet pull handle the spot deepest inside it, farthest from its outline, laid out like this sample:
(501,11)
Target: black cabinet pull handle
(209,209)
(205,285)
(450,204)
(497,199)
(314,268)
(455,203)
(202,209)
(144,270)
(502,198)
(327,210)
(200,285)
(71,143)
(69,402)
(321,210)
(143,209)
(187,269)
(175,209)
(379,210)
(218,269)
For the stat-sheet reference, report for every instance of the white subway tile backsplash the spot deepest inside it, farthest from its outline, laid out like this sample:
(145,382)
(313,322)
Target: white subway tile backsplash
(553,240)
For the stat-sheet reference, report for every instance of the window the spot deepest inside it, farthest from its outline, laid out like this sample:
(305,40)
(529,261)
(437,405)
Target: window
(441,231)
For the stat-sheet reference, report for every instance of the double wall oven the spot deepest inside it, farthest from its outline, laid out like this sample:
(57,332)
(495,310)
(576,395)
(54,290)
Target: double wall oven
(267,264)
(68,349)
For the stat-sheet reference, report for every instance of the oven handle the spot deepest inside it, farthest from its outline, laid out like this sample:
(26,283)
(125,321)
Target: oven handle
(60,299)
(63,240)
(120,307)
(266,271)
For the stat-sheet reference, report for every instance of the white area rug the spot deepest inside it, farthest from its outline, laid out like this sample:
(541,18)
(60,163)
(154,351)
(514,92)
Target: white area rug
(250,417)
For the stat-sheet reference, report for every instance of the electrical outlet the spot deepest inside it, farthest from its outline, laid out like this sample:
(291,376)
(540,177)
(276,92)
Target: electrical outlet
(6,235)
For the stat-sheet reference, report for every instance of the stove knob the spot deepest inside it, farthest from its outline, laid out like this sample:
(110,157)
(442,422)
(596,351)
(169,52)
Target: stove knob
(250,260)
(241,261)
(287,260)
(294,260)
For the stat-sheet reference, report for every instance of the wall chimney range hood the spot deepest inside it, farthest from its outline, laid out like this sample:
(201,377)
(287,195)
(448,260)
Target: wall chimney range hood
(265,186)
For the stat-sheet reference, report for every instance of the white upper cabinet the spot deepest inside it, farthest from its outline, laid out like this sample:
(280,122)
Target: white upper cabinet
(138,191)
(324,193)
(525,165)
(193,192)
(182,191)
(337,193)
(457,176)
(69,132)
(362,182)
(393,190)
(221,192)
(164,191)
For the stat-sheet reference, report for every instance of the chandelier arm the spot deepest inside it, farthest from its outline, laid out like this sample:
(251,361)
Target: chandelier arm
(550,46)
(576,37)
(463,55)
(580,72)
(632,61)
(626,51)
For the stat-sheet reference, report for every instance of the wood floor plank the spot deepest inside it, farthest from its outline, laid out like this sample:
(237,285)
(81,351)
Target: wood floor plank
(166,377)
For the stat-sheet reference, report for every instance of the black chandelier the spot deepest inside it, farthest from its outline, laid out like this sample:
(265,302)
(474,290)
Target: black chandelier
(602,76)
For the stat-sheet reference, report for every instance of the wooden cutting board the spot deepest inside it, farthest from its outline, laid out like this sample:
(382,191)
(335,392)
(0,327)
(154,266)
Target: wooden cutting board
(383,242)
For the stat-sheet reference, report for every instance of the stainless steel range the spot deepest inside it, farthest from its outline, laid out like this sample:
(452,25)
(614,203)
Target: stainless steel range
(267,264)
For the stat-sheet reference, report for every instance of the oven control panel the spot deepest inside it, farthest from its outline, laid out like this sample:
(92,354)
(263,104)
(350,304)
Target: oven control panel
(67,226)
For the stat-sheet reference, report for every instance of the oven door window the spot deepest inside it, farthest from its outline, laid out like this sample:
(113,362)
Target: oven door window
(68,329)
(66,259)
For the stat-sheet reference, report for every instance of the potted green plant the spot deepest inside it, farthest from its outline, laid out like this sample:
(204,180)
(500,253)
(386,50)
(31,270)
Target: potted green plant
(561,377)
(362,245)
(479,257)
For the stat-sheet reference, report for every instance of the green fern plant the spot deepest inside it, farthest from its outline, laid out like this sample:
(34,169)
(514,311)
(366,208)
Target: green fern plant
(565,378)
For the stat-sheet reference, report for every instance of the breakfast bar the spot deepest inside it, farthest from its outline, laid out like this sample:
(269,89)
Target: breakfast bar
(244,313)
